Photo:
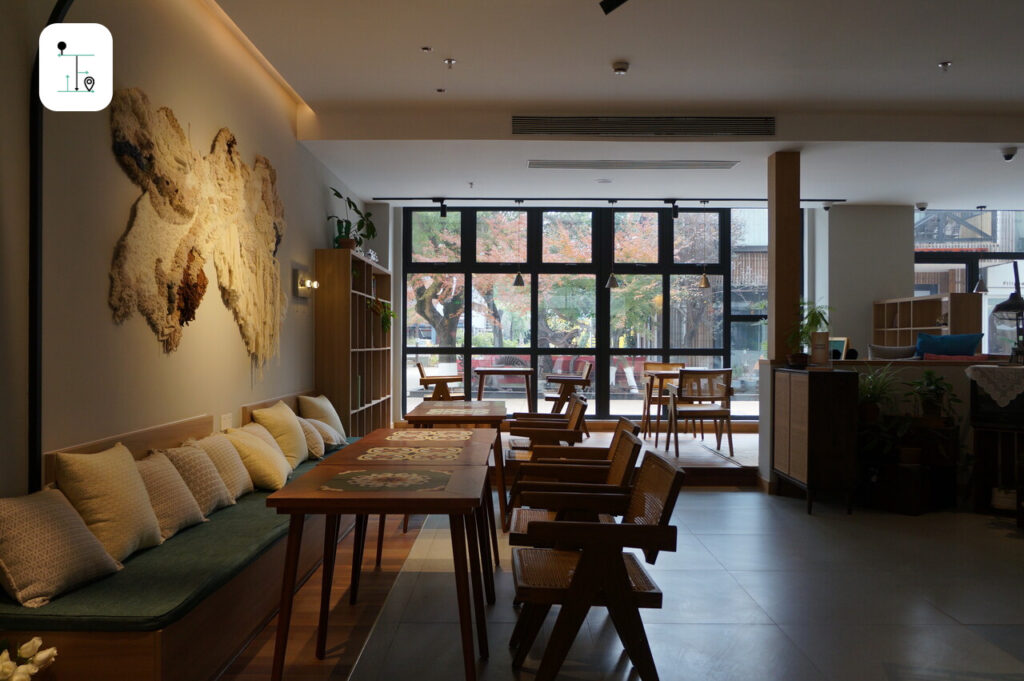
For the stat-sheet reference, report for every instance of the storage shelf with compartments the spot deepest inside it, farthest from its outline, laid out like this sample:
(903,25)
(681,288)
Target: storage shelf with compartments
(897,321)
(353,354)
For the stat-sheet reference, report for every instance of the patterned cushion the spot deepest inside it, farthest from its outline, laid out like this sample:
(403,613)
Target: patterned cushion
(283,424)
(173,503)
(263,434)
(46,549)
(107,491)
(314,440)
(201,476)
(330,435)
(266,465)
(229,464)
(321,409)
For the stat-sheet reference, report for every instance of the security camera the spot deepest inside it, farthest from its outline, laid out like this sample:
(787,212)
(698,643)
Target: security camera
(1009,153)
(921,206)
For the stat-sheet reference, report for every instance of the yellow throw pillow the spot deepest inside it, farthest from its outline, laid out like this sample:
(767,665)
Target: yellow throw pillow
(228,462)
(314,441)
(330,435)
(283,424)
(201,476)
(263,434)
(267,466)
(173,503)
(46,549)
(107,491)
(321,409)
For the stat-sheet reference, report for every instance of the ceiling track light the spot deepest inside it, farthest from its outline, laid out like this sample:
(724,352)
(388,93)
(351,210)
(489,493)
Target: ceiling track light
(519,281)
(442,205)
(944,65)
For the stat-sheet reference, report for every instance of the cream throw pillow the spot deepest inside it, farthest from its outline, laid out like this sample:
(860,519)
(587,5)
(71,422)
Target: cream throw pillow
(107,491)
(229,464)
(201,476)
(321,409)
(46,549)
(283,424)
(263,434)
(314,441)
(330,435)
(267,466)
(173,503)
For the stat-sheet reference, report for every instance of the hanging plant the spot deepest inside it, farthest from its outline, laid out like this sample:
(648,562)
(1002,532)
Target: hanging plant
(384,309)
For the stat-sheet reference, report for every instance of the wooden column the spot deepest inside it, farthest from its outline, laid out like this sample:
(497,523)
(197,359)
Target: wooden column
(785,250)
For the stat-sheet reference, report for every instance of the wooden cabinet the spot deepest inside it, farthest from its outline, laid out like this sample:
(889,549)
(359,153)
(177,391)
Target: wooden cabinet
(897,321)
(815,430)
(353,354)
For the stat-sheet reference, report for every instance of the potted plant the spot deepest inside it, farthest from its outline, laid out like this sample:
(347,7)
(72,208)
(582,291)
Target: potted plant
(933,396)
(876,390)
(347,234)
(813,319)
(384,309)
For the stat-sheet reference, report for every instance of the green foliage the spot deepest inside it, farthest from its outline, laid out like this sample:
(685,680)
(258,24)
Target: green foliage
(932,394)
(878,387)
(383,308)
(360,231)
(813,318)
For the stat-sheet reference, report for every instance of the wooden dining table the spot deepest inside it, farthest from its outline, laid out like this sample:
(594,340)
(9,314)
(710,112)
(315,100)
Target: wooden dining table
(660,376)
(489,413)
(526,372)
(332,489)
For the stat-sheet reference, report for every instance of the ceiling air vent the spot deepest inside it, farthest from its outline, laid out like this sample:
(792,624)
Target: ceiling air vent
(646,126)
(631,165)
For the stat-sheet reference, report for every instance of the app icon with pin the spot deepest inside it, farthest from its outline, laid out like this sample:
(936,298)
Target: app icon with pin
(76,67)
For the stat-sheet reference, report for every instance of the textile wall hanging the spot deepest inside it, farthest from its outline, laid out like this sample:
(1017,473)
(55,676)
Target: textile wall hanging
(192,209)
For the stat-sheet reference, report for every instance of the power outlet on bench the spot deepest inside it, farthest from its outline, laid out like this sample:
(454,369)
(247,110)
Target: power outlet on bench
(227,421)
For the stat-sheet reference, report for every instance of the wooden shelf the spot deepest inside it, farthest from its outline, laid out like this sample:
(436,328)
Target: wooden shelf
(353,354)
(897,321)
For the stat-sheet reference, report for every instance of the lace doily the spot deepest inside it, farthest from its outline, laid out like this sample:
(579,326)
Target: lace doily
(1002,383)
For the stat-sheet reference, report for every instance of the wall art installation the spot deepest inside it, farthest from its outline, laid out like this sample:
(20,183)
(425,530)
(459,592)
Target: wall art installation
(193,209)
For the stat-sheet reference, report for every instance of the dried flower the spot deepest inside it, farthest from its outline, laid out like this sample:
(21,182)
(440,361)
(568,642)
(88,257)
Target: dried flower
(44,658)
(24,672)
(7,666)
(27,650)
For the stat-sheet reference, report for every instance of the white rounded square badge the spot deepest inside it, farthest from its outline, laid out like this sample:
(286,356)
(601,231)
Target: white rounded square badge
(76,67)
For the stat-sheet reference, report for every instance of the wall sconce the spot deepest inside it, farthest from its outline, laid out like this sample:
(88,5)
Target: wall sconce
(303,283)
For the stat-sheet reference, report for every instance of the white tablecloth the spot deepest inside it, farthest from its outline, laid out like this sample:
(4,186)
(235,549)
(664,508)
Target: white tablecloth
(1003,383)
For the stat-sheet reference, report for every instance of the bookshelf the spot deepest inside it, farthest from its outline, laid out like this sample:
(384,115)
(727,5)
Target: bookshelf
(352,353)
(897,321)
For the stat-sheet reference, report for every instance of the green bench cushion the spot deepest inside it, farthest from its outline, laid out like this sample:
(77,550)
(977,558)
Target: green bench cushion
(160,585)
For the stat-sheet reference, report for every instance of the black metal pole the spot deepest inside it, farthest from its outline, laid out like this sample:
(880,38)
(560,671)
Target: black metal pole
(35,267)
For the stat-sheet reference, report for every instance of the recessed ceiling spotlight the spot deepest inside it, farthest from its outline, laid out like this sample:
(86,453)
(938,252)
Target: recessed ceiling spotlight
(604,180)
(449,62)
(944,65)
(620,68)
(981,207)
(426,48)
(440,90)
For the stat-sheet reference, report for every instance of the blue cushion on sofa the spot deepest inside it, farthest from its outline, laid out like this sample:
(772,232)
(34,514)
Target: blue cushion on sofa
(952,344)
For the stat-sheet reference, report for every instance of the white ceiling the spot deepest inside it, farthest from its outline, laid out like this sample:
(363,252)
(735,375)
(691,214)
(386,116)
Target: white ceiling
(795,58)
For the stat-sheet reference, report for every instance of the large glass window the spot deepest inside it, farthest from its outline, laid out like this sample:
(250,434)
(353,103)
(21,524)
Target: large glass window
(464,312)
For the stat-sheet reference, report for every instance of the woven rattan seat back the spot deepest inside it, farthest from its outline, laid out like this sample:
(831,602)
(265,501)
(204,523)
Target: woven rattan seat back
(706,384)
(576,412)
(654,495)
(623,458)
(624,425)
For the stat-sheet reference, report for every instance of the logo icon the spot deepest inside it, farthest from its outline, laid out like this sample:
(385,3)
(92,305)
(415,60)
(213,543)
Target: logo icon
(76,67)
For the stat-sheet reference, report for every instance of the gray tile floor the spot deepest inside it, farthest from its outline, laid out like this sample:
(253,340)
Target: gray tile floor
(757,589)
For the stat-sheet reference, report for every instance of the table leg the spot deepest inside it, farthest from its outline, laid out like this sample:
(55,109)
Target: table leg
(358,542)
(477,568)
(458,535)
(657,427)
(480,388)
(327,579)
(492,528)
(284,613)
(499,472)
(483,535)
(531,396)
(380,539)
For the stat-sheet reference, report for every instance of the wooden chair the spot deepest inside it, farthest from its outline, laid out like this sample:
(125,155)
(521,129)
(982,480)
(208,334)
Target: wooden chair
(568,384)
(589,567)
(440,383)
(655,395)
(577,476)
(702,395)
(527,430)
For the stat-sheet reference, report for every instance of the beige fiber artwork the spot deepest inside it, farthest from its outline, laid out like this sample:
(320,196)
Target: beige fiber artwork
(193,209)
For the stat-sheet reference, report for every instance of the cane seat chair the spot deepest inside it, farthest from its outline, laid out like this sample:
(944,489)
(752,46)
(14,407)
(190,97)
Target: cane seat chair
(441,390)
(577,565)
(527,430)
(702,395)
(655,395)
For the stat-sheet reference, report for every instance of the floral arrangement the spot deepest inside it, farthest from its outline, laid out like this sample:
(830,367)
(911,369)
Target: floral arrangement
(27,660)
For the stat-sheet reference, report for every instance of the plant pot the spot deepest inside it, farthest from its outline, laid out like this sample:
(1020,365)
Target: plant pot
(820,353)
(797,360)
(344,243)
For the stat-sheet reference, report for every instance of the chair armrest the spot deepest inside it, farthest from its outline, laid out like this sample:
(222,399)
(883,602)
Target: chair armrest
(582,535)
(571,380)
(596,454)
(540,431)
(547,416)
(563,472)
(597,498)
(429,380)
(576,463)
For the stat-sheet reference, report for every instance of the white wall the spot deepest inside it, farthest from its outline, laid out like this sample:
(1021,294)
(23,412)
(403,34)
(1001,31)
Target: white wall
(870,256)
(99,378)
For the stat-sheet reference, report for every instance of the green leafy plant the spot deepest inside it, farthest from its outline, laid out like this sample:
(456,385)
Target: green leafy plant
(813,317)
(386,312)
(362,229)
(878,387)
(933,395)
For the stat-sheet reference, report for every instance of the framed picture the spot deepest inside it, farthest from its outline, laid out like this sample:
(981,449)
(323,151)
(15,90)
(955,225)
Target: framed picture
(838,343)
